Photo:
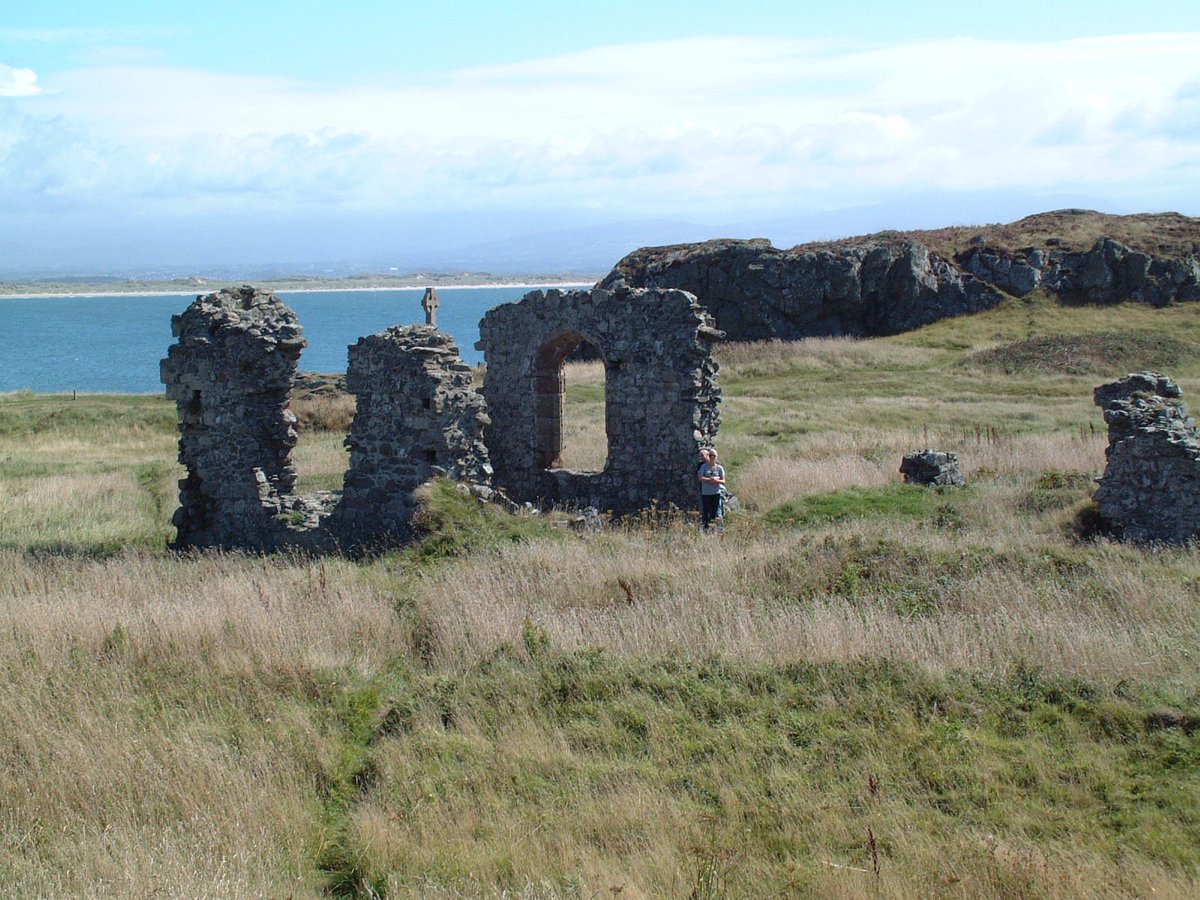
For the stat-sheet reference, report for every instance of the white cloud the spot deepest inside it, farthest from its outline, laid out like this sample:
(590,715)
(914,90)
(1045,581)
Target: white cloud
(17,82)
(671,127)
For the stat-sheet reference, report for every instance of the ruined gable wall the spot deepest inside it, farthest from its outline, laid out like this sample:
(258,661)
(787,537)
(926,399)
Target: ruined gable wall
(417,417)
(661,396)
(230,375)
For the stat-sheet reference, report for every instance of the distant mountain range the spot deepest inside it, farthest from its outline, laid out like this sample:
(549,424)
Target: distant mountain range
(233,247)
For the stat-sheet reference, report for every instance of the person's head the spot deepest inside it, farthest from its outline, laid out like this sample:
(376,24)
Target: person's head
(704,457)
(712,454)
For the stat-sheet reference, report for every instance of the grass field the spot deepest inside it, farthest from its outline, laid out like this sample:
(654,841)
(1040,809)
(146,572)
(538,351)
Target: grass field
(862,689)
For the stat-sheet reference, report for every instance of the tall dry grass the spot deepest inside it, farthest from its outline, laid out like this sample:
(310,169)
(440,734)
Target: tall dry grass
(784,598)
(161,733)
(871,458)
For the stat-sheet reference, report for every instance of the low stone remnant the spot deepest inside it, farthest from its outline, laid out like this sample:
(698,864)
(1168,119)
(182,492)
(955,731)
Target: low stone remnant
(1150,490)
(417,417)
(931,468)
(662,401)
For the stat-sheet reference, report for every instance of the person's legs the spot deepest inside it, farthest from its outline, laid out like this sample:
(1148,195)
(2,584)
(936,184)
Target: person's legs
(710,505)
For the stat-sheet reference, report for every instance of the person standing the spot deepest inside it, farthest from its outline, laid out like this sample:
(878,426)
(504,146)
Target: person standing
(712,485)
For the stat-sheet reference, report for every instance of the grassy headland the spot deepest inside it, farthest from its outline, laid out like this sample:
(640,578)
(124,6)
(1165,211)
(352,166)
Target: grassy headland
(861,689)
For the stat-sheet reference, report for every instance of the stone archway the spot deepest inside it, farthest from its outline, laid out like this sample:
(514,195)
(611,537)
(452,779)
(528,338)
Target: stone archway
(549,406)
(661,398)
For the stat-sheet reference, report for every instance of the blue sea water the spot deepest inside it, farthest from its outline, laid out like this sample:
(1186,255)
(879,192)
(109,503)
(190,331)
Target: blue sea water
(104,344)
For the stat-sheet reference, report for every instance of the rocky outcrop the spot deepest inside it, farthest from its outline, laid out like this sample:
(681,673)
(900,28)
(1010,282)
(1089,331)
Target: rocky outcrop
(757,292)
(894,281)
(1150,490)
(1109,272)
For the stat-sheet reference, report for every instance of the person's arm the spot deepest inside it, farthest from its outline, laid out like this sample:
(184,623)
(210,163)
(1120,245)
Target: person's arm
(718,476)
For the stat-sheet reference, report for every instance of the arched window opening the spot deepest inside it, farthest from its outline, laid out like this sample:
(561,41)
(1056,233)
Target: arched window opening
(570,406)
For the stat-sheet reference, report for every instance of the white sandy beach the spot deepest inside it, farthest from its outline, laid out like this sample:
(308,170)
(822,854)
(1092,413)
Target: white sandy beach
(286,290)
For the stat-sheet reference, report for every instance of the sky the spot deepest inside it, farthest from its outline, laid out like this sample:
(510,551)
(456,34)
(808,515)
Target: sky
(548,135)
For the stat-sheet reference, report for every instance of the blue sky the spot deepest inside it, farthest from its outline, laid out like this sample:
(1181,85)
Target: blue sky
(271,131)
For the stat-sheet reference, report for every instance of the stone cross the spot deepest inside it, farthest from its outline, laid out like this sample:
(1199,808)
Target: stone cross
(430,304)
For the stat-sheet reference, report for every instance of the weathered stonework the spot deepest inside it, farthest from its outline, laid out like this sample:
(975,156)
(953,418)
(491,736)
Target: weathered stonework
(1150,490)
(230,376)
(417,417)
(931,468)
(661,397)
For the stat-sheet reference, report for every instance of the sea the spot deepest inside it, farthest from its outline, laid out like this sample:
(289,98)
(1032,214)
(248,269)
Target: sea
(113,343)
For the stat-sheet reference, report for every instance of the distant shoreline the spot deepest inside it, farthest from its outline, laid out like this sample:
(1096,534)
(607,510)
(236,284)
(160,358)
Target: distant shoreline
(284,289)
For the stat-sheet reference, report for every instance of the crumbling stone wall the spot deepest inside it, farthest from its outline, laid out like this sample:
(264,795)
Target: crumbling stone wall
(230,375)
(417,417)
(1150,490)
(661,397)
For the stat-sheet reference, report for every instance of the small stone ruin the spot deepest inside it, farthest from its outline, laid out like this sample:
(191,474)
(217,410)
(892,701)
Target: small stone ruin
(232,371)
(931,468)
(1150,490)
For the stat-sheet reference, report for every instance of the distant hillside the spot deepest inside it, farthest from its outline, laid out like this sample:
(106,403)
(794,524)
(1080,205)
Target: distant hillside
(1166,234)
(893,281)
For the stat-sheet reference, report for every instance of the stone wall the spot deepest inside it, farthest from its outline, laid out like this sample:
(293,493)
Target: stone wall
(417,417)
(230,375)
(661,397)
(1150,490)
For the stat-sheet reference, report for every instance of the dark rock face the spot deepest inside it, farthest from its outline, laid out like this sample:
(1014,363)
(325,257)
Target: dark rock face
(757,292)
(1109,272)
(662,401)
(931,468)
(1150,490)
(885,285)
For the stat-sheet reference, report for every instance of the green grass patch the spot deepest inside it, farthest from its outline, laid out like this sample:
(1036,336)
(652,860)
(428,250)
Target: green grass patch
(451,522)
(25,414)
(894,500)
(765,774)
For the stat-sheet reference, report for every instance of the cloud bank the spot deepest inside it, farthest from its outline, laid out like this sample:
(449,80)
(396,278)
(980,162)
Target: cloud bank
(17,82)
(698,127)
